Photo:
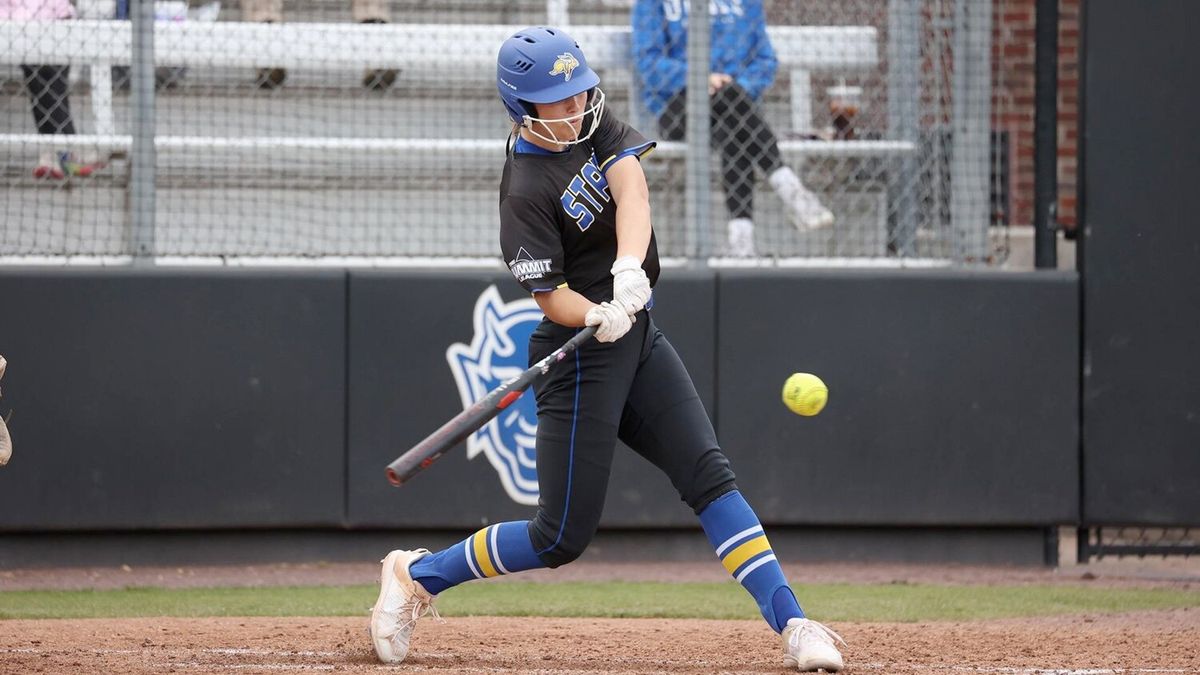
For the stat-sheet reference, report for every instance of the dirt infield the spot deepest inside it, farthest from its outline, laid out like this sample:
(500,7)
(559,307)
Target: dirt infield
(1160,642)
(1093,644)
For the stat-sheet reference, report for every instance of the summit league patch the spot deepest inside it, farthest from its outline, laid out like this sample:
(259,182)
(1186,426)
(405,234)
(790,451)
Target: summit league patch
(524,266)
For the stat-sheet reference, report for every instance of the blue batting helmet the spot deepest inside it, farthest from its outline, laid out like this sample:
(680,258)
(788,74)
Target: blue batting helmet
(540,65)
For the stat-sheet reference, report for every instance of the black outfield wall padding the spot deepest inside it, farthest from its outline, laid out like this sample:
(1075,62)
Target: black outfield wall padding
(402,388)
(172,399)
(217,399)
(953,395)
(1141,264)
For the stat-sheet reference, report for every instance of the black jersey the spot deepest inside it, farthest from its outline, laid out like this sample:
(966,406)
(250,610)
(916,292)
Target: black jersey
(558,222)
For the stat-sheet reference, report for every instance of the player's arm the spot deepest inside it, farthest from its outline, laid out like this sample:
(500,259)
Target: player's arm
(627,185)
(760,62)
(564,306)
(568,308)
(529,232)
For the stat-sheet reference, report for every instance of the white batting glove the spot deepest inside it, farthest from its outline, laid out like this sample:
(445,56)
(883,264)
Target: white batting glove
(612,321)
(631,288)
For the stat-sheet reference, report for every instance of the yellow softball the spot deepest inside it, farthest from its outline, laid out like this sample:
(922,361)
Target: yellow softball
(805,394)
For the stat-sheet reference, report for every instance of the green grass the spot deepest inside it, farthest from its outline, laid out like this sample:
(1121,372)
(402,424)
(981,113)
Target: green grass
(834,602)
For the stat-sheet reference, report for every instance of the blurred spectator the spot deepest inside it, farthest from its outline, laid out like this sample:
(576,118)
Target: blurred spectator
(742,66)
(165,77)
(363,11)
(47,85)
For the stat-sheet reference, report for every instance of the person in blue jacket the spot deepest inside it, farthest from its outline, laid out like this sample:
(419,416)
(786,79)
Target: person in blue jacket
(742,66)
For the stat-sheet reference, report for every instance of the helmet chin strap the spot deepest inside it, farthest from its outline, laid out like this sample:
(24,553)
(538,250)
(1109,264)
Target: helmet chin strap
(596,109)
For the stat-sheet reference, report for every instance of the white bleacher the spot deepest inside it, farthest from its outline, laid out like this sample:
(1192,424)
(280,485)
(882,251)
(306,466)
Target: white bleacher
(368,176)
(97,45)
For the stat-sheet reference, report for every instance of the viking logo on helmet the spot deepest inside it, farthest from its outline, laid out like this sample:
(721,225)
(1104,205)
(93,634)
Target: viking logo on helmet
(498,351)
(565,64)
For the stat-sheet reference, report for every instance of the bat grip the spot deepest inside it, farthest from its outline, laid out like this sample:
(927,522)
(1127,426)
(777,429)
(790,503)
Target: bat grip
(580,338)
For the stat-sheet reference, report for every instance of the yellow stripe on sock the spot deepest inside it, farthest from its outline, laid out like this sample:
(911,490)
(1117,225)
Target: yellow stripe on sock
(746,551)
(479,544)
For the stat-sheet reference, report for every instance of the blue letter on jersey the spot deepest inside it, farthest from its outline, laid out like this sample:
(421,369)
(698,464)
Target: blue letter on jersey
(580,203)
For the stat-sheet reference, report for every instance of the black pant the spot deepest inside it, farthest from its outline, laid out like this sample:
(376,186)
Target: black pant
(47,87)
(635,389)
(742,136)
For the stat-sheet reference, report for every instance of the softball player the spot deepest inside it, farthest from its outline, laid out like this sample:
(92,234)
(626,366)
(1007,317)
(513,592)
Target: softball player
(575,230)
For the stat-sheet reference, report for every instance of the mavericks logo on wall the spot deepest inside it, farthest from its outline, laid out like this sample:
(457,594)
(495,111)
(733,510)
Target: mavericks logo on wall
(499,351)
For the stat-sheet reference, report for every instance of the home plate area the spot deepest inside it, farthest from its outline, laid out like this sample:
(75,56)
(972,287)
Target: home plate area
(1093,644)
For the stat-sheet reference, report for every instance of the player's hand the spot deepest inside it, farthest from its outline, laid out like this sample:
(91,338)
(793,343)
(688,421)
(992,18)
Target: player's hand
(612,321)
(716,81)
(631,288)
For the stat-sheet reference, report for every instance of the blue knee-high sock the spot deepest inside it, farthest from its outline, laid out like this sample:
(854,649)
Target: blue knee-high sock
(492,551)
(740,543)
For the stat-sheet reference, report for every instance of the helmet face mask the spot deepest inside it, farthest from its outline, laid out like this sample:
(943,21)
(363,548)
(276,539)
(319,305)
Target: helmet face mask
(593,107)
(545,65)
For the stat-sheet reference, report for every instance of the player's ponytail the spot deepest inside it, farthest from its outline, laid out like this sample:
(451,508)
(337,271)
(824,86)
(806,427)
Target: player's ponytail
(510,142)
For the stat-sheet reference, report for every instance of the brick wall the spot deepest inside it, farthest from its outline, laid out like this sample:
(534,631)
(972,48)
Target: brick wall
(1013,52)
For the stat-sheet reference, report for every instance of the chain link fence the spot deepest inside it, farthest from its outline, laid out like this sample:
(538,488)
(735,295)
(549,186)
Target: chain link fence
(855,129)
(1099,542)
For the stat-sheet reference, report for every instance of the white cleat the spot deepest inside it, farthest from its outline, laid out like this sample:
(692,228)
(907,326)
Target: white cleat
(808,645)
(401,602)
(741,238)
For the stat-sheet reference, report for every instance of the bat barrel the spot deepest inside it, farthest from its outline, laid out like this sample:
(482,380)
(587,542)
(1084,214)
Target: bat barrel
(394,477)
(420,456)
